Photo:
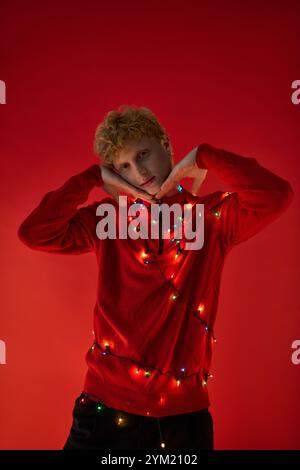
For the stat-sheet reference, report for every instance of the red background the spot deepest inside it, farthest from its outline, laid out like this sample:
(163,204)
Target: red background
(217,72)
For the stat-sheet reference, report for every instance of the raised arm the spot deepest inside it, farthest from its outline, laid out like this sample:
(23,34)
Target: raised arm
(257,197)
(56,225)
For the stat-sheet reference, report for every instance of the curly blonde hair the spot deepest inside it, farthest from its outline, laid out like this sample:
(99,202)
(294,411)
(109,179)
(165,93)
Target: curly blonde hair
(127,123)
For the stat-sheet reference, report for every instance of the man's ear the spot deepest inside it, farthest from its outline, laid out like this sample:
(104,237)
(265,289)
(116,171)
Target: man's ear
(167,146)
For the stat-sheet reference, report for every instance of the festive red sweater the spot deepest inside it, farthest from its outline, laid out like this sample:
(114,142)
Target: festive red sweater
(156,302)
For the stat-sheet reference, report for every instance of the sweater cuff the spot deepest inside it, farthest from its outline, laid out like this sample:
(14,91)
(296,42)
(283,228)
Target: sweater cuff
(94,173)
(200,156)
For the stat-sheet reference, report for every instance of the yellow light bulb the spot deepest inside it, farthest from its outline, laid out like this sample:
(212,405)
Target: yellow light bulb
(163,445)
(120,421)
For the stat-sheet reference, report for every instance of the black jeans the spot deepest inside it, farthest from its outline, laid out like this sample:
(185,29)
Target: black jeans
(96,426)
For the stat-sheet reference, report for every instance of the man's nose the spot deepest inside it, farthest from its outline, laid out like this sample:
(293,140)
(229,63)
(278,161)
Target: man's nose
(142,172)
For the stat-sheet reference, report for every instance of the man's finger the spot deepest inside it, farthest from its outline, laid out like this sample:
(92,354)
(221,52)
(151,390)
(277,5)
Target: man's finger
(197,183)
(168,184)
(127,189)
(166,187)
(138,193)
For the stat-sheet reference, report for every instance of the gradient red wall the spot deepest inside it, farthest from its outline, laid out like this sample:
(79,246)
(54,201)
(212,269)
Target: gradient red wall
(217,72)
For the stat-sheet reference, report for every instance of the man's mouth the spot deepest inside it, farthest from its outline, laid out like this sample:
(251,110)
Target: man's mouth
(149,181)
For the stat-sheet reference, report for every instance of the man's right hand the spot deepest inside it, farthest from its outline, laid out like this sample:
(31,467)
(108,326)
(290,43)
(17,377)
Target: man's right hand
(116,186)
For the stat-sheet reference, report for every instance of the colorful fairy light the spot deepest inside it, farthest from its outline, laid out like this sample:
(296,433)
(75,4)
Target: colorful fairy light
(226,194)
(120,421)
(201,308)
(148,261)
(162,400)
(108,347)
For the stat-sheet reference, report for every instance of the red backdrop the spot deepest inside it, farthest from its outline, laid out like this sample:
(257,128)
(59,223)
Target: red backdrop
(219,73)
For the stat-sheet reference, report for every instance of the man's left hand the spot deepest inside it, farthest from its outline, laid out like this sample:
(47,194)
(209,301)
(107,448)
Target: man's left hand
(186,168)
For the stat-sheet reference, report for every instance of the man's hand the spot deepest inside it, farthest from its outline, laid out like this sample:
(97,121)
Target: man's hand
(186,168)
(116,186)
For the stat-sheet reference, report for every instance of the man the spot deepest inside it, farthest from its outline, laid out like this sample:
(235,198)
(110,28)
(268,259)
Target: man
(148,369)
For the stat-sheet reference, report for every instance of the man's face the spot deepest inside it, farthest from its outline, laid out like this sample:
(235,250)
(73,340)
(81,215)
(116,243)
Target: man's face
(143,160)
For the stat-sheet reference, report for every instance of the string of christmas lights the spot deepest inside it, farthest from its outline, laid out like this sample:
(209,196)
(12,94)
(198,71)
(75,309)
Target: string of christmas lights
(149,257)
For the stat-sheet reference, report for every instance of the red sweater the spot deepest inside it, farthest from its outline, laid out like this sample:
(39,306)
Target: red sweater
(154,321)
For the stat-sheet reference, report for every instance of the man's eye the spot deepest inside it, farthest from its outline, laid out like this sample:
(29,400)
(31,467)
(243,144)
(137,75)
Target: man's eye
(125,166)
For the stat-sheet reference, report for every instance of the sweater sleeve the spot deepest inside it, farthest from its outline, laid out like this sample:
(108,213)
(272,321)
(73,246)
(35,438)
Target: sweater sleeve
(56,225)
(256,195)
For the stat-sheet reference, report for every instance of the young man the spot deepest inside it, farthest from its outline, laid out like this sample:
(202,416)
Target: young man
(149,365)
